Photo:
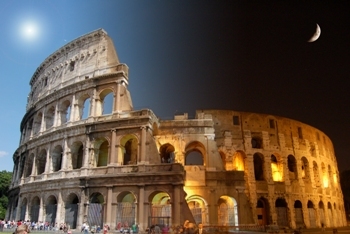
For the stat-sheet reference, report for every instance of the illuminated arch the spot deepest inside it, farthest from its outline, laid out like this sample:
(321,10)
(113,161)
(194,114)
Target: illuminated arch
(238,161)
(126,211)
(199,209)
(195,152)
(167,154)
(160,208)
(128,150)
(227,211)
(276,167)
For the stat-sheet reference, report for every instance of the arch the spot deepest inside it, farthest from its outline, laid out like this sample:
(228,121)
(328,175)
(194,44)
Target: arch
(316,174)
(23,208)
(71,210)
(305,168)
(77,154)
(65,111)
(107,98)
(330,214)
(103,152)
(325,181)
(28,165)
(312,214)
(160,208)
(195,152)
(167,153)
(126,211)
(276,167)
(263,211)
(129,147)
(37,123)
(50,117)
(321,213)
(57,158)
(199,209)
(298,211)
(227,211)
(51,209)
(292,167)
(35,207)
(238,161)
(84,106)
(282,212)
(95,214)
(40,162)
(258,160)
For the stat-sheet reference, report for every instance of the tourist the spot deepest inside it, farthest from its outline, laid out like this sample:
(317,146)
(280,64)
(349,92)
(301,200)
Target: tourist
(22,229)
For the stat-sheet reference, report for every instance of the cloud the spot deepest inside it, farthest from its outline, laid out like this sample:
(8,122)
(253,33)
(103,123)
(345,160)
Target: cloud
(3,154)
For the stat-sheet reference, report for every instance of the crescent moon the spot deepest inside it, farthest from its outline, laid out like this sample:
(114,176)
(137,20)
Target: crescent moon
(316,34)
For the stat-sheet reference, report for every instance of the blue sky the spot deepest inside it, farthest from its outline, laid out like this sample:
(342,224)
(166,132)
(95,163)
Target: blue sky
(187,55)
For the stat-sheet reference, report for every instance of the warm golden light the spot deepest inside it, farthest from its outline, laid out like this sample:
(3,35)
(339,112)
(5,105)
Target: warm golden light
(325,181)
(276,173)
(335,178)
(238,162)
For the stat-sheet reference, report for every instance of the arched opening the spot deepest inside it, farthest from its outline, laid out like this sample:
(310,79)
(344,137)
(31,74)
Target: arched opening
(316,174)
(23,209)
(126,212)
(321,213)
(263,211)
(57,158)
(28,165)
(51,209)
(160,209)
(129,148)
(199,209)
(325,181)
(65,111)
(227,211)
(85,112)
(330,175)
(50,117)
(282,213)
(103,152)
(35,207)
(292,167)
(77,153)
(330,214)
(305,169)
(195,152)
(258,166)
(238,161)
(107,100)
(37,123)
(312,215)
(71,214)
(95,215)
(41,162)
(167,154)
(298,210)
(276,168)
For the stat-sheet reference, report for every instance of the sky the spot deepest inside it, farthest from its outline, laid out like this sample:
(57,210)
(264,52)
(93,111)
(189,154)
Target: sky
(249,56)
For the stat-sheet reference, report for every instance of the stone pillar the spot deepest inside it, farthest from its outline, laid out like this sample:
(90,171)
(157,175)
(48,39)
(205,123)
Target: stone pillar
(109,205)
(116,108)
(141,219)
(81,208)
(60,203)
(213,208)
(19,207)
(93,104)
(113,156)
(41,210)
(57,117)
(87,152)
(42,125)
(65,154)
(72,110)
(176,204)
(48,168)
(143,145)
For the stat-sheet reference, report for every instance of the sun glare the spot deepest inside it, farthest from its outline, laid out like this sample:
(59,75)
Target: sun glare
(29,31)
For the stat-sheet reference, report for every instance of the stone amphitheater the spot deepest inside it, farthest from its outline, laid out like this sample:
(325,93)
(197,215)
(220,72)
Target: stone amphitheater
(85,155)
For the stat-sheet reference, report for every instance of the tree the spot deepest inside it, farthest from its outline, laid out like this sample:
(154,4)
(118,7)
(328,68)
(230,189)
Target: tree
(5,181)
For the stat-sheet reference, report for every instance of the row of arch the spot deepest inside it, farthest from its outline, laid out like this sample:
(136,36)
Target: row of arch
(125,212)
(325,176)
(309,215)
(69,110)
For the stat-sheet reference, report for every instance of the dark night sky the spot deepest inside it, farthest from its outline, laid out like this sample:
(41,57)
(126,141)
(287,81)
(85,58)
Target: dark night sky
(240,55)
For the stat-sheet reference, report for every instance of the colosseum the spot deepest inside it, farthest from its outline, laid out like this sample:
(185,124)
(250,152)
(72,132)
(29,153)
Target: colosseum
(85,155)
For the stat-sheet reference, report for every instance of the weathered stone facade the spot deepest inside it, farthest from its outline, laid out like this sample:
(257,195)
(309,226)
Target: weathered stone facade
(86,155)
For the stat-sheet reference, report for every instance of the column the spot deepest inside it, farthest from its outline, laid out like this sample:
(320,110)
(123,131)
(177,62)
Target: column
(48,168)
(42,124)
(57,117)
(72,110)
(65,154)
(113,154)
(19,207)
(177,205)
(143,145)
(60,203)
(93,104)
(41,210)
(141,218)
(81,209)
(116,108)
(87,152)
(109,205)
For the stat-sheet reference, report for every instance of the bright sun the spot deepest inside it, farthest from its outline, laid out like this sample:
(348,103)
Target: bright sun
(29,31)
